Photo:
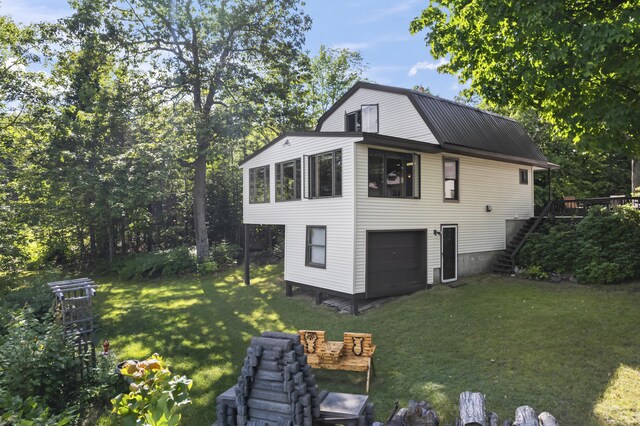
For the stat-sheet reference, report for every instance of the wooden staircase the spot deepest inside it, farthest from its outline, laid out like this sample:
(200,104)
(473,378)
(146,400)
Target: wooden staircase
(507,261)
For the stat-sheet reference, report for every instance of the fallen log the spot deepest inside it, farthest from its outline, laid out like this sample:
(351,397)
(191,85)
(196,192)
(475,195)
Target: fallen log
(525,416)
(472,409)
(546,419)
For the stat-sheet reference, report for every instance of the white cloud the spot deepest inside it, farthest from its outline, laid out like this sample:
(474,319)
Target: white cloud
(426,65)
(351,46)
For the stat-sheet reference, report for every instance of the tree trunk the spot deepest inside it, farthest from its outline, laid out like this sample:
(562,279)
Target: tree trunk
(472,409)
(546,419)
(110,238)
(93,248)
(123,236)
(525,416)
(635,175)
(199,207)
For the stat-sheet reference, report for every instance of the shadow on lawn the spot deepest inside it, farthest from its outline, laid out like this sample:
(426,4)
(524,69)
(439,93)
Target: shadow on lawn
(549,346)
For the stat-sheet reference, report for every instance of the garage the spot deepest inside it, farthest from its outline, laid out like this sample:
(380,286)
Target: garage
(396,262)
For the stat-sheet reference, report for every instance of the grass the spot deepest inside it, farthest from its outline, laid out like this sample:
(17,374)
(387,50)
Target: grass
(568,349)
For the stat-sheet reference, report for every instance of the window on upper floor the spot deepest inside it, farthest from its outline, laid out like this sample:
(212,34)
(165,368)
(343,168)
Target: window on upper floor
(325,174)
(316,246)
(393,174)
(451,168)
(524,176)
(259,185)
(363,120)
(288,179)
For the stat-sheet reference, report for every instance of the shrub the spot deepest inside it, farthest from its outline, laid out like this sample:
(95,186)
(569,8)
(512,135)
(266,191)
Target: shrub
(601,249)
(207,267)
(36,359)
(31,411)
(179,261)
(552,249)
(154,396)
(535,272)
(168,263)
(225,253)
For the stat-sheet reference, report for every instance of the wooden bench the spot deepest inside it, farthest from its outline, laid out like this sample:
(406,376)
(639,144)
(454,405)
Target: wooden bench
(354,353)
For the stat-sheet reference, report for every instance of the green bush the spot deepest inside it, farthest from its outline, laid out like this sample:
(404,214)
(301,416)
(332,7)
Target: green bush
(207,267)
(36,359)
(225,253)
(168,263)
(31,411)
(603,248)
(535,272)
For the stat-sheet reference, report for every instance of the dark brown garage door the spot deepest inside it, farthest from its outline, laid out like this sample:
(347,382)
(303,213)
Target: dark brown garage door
(396,262)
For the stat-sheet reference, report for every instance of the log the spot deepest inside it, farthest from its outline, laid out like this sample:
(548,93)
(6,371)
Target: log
(294,338)
(418,414)
(275,407)
(546,419)
(269,395)
(269,375)
(525,416)
(472,409)
(507,423)
(493,419)
(269,343)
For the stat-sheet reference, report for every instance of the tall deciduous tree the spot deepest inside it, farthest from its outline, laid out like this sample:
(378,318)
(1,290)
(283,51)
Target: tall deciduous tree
(577,63)
(215,52)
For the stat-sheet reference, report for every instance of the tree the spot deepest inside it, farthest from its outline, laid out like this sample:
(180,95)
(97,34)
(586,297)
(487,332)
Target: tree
(214,53)
(575,63)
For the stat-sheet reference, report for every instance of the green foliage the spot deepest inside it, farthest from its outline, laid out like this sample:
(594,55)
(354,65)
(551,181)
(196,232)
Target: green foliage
(155,395)
(602,248)
(535,272)
(574,63)
(36,359)
(29,411)
(225,253)
(553,249)
(168,263)
(207,267)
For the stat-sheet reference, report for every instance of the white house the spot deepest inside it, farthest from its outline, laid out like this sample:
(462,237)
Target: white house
(395,190)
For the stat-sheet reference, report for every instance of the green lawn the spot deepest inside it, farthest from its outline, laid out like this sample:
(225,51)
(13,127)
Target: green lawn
(568,349)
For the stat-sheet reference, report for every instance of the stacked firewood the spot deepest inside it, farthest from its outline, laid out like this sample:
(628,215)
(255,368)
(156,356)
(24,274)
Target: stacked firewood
(276,385)
(472,413)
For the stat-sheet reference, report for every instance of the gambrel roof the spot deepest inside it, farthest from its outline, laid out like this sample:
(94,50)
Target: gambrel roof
(461,128)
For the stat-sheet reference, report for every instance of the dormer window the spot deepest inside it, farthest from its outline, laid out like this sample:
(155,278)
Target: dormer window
(354,121)
(363,120)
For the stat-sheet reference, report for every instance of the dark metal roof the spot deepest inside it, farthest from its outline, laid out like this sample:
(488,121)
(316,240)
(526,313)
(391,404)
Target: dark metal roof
(458,125)
(461,125)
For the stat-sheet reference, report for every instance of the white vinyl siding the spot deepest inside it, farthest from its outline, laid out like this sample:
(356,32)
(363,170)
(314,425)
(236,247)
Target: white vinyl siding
(336,213)
(481,183)
(397,115)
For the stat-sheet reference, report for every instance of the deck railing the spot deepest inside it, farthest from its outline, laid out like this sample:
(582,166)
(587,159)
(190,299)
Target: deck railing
(580,207)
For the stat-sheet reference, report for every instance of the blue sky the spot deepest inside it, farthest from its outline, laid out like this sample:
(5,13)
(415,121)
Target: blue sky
(379,29)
